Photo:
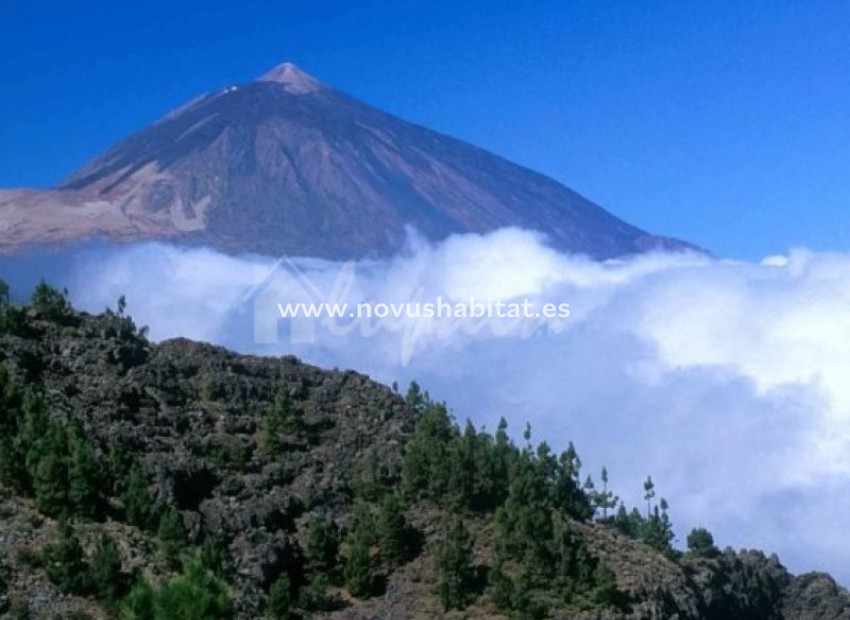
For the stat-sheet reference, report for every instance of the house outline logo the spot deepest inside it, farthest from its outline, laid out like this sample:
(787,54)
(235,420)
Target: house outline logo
(265,297)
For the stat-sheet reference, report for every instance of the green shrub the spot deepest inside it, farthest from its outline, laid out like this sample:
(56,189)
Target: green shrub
(171,535)
(321,547)
(214,554)
(359,569)
(281,604)
(701,543)
(313,595)
(453,565)
(393,532)
(137,501)
(139,603)
(195,594)
(84,476)
(47,462)
(65,563)
(104,570)
(50,302)
(282,420)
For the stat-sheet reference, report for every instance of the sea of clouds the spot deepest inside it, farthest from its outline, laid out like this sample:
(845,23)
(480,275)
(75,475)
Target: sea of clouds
(727,381)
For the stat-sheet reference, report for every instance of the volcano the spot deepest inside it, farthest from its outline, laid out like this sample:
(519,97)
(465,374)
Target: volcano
(288,165)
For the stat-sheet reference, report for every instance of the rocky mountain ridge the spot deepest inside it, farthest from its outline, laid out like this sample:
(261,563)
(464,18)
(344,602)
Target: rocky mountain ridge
(182,448)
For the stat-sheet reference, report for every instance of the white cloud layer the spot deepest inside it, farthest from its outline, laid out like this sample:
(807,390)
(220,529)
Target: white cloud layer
(727,381)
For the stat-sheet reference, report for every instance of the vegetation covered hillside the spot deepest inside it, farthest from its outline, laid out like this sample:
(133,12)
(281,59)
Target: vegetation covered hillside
(181,481)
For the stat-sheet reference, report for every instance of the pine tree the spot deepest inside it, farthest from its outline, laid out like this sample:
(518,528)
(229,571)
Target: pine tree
(214,554)
(321,547)
(604,591)
(372,480)
(171,535)
(602,500)
(526,604)
(139,602)
(118,462)
(105,570)
(12,468)
(12,318)
(701,543)
(629,524)
(393,532)
(272,430)
(281,419)
(568,493)
(47,462)
(524,523)
(50,302)
(426,467)
(84,476)
(359,571)
(416,398)
(648,495)
(65,564)
(137,501)
(607,500)
(504,456)
(359,567)
(460,466)
(453,565)
(195,594)
(571,564)
(501,586)
(281,603)
(313,595)
(30,442)
(657,529)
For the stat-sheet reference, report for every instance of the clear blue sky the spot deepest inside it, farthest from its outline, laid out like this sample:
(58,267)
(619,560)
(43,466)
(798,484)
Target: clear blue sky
(725,123)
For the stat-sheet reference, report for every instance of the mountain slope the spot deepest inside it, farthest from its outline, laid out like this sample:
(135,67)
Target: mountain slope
(286,164)
(174,449)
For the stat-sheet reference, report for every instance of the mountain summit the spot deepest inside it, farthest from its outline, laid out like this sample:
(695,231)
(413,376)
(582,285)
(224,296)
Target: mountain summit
(292,78)
(286,164)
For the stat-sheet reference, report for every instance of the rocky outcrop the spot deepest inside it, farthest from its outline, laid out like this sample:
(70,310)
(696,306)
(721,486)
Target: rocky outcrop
(192,415)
